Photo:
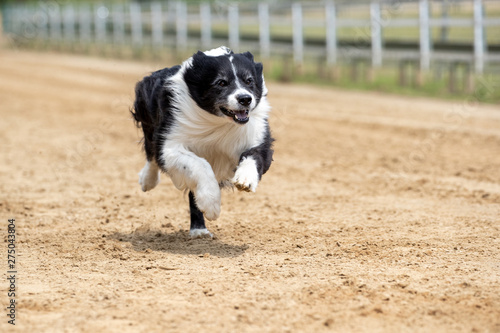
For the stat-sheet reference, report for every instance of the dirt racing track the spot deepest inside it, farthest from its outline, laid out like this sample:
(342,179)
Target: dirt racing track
(380,213)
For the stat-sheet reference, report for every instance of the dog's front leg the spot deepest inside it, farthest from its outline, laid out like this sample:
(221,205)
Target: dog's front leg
(190,171)
(253,164)
(246,177)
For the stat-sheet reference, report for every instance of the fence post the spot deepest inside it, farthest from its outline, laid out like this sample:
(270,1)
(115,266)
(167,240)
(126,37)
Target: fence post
(425,37)
(55,22)
(69,23)
(331,33)
(101,14)
(298,37)
(118,24)
(171,14)
(445,7)
(136,24)
(156,25)
(5,21)
(14,20)
(264,33)
(206,25)
(452,78)
(41,18)
(85,24)
(181,25)
(479,37)
(376,32)
(233,27)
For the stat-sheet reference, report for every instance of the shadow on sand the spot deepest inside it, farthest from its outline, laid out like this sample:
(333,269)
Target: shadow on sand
(178,242)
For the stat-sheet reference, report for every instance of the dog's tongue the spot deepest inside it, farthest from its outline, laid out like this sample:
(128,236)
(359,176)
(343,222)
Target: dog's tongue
(241,114)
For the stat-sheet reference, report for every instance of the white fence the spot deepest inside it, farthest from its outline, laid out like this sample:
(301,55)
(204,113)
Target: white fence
(300,29)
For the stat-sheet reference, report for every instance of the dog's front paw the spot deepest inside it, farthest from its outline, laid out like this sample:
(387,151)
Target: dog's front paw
(208,199)
(149,178)
(246,177)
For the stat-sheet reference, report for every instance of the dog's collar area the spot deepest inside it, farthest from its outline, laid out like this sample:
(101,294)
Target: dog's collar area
(239,116)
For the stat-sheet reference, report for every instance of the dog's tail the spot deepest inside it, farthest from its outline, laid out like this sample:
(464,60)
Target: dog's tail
(142,109)
(145,111)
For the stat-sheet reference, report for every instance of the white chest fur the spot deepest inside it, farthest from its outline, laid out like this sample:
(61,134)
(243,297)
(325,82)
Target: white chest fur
(220,141)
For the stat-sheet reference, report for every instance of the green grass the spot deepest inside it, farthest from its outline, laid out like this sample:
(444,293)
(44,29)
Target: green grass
(386,80)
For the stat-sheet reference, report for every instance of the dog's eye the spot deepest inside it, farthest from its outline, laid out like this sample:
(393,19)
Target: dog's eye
(222,83)
(249,81)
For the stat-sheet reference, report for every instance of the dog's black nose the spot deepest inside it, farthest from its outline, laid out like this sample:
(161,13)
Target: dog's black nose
(244,100)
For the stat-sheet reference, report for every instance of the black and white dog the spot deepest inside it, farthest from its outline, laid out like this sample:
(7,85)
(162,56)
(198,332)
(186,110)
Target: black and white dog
(205,125)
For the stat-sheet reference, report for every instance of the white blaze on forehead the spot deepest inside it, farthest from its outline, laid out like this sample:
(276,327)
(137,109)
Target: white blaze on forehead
(233,98)
(264,88)
(234,72)
(222,50)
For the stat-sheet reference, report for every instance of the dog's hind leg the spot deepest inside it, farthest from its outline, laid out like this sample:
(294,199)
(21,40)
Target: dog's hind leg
(189,171)
(198,228)
(149,176)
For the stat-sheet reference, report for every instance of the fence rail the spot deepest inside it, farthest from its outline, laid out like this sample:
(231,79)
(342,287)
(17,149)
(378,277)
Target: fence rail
(301,30)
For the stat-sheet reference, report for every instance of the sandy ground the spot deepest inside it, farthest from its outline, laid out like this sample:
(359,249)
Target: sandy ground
(379,214)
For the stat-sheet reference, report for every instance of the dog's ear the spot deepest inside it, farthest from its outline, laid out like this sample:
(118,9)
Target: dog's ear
(259,68)
(248,55)
(199,55)
(199,58)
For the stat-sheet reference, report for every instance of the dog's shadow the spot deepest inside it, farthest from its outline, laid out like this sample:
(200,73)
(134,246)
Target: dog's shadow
(178,242)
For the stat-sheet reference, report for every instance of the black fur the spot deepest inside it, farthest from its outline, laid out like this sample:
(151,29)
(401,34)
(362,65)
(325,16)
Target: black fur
(197,219)
(153,110)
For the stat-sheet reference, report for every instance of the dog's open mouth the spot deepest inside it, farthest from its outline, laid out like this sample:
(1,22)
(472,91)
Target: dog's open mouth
(239,116)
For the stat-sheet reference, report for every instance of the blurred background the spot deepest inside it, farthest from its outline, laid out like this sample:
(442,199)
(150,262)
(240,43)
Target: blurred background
(437,48)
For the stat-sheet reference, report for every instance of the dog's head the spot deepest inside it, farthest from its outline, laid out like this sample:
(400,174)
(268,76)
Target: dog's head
(226,84)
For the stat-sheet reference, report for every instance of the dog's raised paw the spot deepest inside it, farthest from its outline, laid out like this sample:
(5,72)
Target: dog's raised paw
(246,177)
(200,233)
(243,187)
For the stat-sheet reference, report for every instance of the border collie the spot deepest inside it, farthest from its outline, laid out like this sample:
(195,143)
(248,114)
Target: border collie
(205,124)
